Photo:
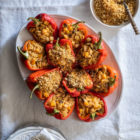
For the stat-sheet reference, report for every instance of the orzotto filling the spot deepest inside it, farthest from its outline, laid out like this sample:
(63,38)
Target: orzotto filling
(62,57)
(37,57)
(42,32)
(72,33)
(90,105)
(88,54)
(62,102)
(49,82)
(78,79)
(101,79)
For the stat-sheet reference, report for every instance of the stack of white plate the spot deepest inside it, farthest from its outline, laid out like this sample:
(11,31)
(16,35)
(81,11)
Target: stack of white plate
(29,132)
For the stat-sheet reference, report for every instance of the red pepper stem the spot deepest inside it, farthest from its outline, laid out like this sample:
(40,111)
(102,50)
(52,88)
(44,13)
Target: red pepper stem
(76,24)
(35,88)
(92,116)
(25,54)
(100,39)
(98,44)
(57,42)
(35,20)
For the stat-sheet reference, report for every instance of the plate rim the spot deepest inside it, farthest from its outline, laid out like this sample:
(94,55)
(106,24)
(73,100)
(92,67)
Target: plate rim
(122,81)
(31,128)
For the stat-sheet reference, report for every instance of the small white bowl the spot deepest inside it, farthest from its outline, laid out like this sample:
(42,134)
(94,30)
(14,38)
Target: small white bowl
(111,26)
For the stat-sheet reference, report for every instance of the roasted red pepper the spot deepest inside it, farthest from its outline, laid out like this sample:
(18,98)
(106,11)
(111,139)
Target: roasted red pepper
(92,52)
(108,80)
(36,84)
(73,30)
(43,28)
(60,104)
(88,110)
(38,62)
(74,92)
(61,54)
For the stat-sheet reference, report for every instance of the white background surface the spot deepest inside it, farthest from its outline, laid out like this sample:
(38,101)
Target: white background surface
(17,109)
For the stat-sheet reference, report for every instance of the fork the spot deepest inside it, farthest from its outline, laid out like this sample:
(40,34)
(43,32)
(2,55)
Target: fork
(136,30)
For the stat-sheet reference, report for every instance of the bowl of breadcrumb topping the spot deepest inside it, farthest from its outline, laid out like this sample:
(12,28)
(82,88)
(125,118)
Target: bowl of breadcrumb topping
(112,13)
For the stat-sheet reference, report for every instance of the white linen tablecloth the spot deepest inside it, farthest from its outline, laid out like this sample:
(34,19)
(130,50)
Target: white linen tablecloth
(16,109)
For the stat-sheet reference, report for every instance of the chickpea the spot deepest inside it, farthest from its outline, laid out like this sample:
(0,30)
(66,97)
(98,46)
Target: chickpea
(51,38)
(66,36)
(44,31)
(77,37)
(46,23)
(47,38)
(88,39)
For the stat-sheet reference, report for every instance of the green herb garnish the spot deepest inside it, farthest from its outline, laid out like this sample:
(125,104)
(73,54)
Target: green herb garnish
(56,111)
(112,81)
(80,89)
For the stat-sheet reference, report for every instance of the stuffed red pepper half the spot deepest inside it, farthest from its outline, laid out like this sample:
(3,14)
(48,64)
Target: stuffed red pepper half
(77,81)
(105,80)
(34,55)
(92,52)
(60,104)
(60,54)
(44,82)
(90,107)
(43,28)
(73,30)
